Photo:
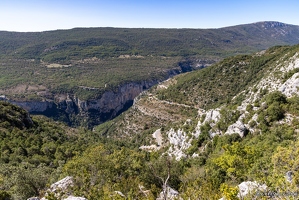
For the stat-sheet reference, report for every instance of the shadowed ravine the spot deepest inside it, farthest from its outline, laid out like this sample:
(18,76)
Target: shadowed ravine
(91,112)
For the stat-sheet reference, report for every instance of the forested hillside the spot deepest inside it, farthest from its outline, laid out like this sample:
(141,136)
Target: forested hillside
(81,43)
(33,151)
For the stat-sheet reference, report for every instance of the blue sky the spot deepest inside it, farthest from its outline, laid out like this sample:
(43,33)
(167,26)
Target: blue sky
(41,15)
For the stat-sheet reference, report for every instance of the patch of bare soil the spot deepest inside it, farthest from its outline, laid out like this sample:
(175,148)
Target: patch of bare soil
(25,89)
(18,89)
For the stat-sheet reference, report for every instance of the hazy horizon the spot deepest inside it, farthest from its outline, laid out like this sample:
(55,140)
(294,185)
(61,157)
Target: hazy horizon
(37,16)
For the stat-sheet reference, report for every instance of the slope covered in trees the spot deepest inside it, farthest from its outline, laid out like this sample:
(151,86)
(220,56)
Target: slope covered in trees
(33,149)
(80,43)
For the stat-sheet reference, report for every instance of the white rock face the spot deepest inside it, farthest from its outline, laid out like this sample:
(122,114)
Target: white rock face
(120,194)
(292,65)
(212,116)
(158,136)
(237,127)
(248,187)
(271,83)
(290,87)
(179,142)
(61,187)
(63,184)
(3,98)
(170,195)
(197,129)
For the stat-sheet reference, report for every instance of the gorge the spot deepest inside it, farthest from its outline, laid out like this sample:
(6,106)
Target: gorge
(74,111)
(86,76)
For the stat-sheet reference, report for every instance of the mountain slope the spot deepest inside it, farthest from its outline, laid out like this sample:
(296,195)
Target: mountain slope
(225,98)
(249,135)
(69,73)
(225,83)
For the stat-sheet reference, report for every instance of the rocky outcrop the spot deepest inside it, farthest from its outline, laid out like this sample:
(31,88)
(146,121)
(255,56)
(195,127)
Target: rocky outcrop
(211,117)
(169,194)
(238,128)
(35,106)
(61,190)
(249,188)
(94,111)
(3,98)
(289,176)
(179,142)
(62,185)
(290,87)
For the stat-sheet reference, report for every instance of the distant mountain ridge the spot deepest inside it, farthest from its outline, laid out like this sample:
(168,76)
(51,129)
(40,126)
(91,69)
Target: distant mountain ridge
(150,41)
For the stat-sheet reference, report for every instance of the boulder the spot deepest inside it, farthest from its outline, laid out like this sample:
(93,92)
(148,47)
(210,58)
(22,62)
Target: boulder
(61,190)
(237,127)
(171,194)
(248,187)
(62,185)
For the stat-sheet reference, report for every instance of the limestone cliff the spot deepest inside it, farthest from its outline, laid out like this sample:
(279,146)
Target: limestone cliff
(89,112)
(77,112)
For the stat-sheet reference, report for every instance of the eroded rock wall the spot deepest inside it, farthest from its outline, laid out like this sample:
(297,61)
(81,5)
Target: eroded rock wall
(88,112)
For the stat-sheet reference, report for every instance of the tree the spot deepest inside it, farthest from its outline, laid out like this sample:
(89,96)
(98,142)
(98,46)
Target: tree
(236,160)
(230,193)
(285,162)
(163,180)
